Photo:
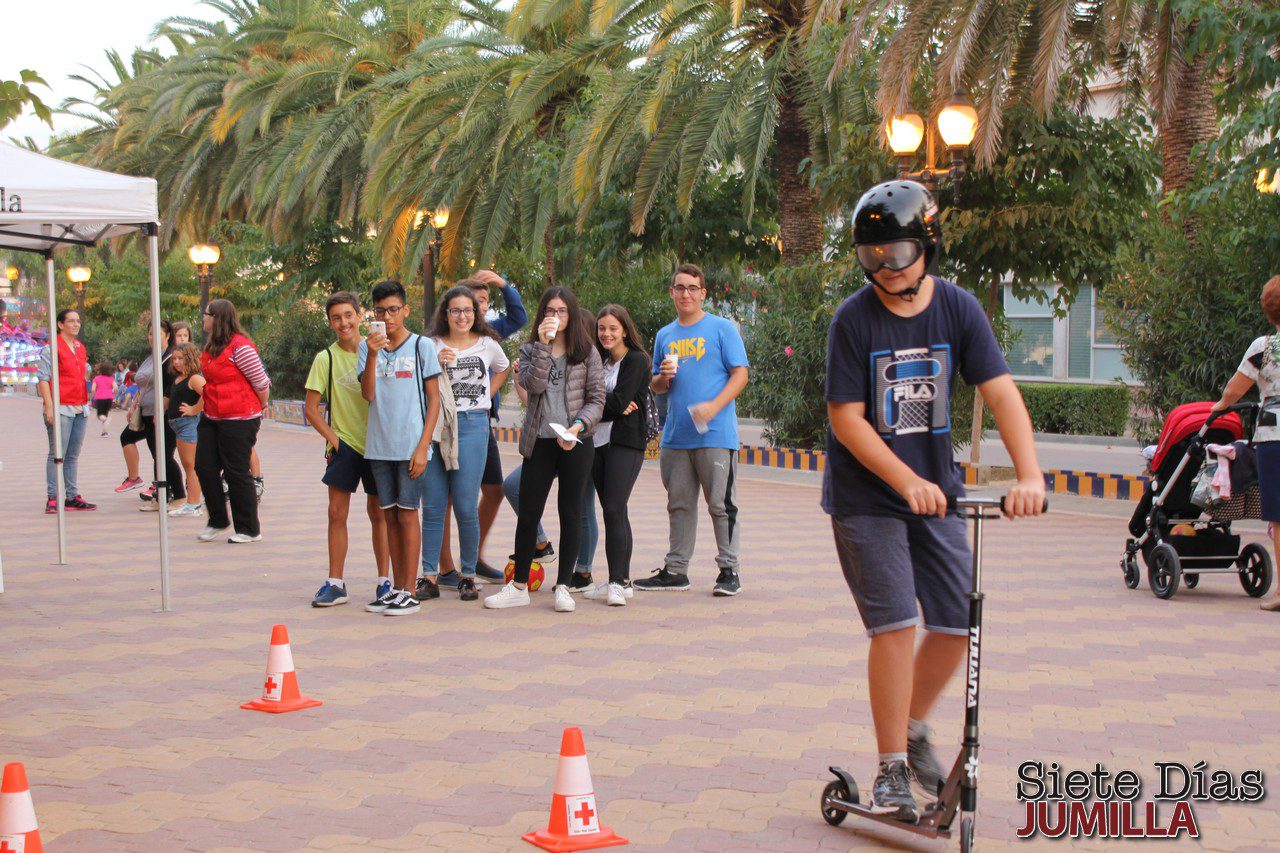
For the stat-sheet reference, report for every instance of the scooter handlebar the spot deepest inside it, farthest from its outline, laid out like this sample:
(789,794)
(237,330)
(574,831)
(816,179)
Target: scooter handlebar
(955,503)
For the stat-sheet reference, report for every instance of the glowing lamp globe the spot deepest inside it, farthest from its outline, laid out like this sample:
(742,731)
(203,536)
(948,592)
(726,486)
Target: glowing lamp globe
(440,217)
(204,254)
(958,122)
(79,274)
(905,134)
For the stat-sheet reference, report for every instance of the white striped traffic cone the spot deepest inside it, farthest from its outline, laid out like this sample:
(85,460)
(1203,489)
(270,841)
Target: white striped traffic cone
(18,830)
(280,690)
(575,820)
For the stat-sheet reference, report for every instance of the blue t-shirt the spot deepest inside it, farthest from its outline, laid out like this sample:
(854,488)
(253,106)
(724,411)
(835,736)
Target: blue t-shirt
(708,350)
(399,408)
(903,369)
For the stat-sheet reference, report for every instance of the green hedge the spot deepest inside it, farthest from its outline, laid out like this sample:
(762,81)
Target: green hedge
(1064,409)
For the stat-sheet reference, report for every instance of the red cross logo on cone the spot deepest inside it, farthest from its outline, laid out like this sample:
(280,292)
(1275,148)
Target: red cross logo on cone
(280,688)
(575,819)
(18,830)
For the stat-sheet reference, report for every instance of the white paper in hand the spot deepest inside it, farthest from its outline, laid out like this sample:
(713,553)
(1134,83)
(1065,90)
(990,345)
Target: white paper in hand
(564,434)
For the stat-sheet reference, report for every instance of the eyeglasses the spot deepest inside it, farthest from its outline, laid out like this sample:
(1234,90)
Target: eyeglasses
(461,312)
(208,313)
(558,312)
(681,290)
(388,312)
(897,255)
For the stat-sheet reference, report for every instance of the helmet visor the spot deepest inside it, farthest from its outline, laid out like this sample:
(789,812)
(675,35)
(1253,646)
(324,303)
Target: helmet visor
(896,255)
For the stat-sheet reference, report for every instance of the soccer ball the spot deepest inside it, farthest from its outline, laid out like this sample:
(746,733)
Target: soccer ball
(536,574)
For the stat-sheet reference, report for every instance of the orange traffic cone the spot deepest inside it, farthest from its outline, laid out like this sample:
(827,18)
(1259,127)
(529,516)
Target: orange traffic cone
(280,690)
(575,821)
(18,830)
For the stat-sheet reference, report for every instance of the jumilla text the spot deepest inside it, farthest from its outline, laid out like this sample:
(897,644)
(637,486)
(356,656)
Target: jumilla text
(1102,804)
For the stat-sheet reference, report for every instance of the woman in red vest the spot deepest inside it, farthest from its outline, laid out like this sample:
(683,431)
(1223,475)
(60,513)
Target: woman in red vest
(73,397)
(236,388)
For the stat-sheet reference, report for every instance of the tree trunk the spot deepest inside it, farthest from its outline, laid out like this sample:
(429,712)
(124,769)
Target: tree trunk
(801,222)
(1192,121)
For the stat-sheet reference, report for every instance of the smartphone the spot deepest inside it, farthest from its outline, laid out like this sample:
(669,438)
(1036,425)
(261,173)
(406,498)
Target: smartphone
(378,327)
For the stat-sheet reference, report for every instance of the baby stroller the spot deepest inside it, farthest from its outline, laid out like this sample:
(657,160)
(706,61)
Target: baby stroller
(1178,539)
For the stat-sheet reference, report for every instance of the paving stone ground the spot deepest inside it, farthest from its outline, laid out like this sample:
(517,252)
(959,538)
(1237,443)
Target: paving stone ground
(709,722)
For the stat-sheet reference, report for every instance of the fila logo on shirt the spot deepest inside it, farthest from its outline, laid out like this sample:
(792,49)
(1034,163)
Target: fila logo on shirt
(911,390)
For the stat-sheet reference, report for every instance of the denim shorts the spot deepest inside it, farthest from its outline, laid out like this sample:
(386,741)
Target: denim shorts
(347,469)
(185,427)
(891,563)
(394,485)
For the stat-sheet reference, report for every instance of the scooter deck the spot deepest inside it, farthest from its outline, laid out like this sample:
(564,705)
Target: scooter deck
(921,826)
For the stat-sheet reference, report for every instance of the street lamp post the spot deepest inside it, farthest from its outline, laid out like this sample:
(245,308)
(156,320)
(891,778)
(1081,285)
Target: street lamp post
(438,219)
(79,275)
(205,256)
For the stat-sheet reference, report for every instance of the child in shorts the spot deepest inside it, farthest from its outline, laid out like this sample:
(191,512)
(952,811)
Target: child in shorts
(894,350)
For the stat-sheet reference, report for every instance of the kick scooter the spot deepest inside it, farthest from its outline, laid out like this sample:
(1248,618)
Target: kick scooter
(960,791)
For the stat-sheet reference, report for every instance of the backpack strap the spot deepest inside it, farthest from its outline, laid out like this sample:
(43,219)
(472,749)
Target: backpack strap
(329,394)
(417,375)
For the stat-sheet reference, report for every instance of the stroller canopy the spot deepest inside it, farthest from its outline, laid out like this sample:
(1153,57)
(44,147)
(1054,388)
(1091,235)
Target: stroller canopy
(1186,420)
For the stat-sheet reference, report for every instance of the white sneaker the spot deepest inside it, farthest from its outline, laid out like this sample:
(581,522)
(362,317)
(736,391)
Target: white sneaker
(150,506)
(564,600)
(211,533)
(187,510)
(243,538)
(597,592)
(509,596)
(617,596)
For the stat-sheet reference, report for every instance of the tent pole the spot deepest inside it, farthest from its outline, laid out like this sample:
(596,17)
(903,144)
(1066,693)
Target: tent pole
(60,488)
(158,420)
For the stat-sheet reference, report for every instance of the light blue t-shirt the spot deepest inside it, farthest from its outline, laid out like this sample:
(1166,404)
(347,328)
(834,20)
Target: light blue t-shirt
(399,408)
(708,351)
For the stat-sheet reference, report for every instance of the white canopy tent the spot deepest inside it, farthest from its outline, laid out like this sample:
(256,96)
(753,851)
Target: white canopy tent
(48,204)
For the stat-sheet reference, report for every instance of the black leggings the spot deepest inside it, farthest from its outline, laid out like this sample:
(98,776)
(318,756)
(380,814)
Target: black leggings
(615,471)
(547,463)
(223,449)
(173,471)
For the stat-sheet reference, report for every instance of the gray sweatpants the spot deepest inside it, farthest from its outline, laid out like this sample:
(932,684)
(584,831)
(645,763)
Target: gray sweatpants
(713,470)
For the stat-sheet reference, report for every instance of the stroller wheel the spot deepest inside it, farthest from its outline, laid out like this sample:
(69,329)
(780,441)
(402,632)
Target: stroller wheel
(1255,570)
(1164,570)
(1129,565)
(1191,580)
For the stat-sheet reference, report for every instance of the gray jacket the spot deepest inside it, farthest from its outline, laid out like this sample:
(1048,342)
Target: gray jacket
(583,392)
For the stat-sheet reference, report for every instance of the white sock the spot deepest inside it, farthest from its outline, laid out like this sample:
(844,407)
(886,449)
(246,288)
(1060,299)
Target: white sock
(889,757)
(917,728)
(338,582)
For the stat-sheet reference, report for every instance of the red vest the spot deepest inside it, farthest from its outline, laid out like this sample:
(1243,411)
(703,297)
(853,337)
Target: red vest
(73,389)
(227,394)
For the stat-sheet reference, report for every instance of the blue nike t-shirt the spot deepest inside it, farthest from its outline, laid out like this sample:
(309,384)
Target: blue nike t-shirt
(708,351)
(903,370)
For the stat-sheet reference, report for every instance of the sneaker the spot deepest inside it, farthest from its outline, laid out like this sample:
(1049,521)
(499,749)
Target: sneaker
(386,595)
(449,579)
(51,506)
(467,589)
(147,494)
(564,600)
(891,792)
(426,589)
(258,488)
(79,504)
(153,506)
(1272,603)
(384,586)
(243,538)
(488,573)
(509,596)
(543,553)
(211,533)
(187,510)
(617,597)
(329,595)
(597,592)
(727,583)
(662,580)
(402,605)
(581,582)
(923,763)
(129,483)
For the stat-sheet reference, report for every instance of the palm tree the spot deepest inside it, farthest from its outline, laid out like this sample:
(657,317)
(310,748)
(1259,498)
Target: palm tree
(1007,52)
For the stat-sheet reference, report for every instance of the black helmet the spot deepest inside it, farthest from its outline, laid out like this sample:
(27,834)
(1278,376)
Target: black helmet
(898,210)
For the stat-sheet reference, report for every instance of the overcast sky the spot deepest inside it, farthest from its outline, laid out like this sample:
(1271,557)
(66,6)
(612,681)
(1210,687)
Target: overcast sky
(56,38)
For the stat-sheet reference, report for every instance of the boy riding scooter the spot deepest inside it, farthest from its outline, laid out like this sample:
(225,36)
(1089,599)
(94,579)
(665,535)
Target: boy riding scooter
(894,350)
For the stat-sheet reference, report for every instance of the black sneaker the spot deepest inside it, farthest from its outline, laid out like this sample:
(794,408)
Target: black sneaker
(580,582)
(663,580)
(891,792)
(488,573)
(384,599)
(727,583)
(403,605)
(467,590)
(426,589)
(924,763)
(546,552)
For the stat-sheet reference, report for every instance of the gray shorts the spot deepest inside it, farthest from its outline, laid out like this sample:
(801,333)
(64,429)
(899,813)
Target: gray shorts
(891,563)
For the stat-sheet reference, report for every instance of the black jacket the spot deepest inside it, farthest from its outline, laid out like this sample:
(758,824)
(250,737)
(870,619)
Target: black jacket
(633,385)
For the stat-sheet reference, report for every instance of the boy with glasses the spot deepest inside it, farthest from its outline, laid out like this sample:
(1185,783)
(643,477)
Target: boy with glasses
(335,378)
(398,373)
(700,361)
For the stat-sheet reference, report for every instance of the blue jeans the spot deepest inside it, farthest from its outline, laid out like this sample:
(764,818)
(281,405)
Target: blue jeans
(72,440)
(590,528)
(463,487)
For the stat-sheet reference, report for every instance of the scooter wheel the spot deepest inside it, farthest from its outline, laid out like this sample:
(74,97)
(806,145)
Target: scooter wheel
(966,834)
(837,790)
